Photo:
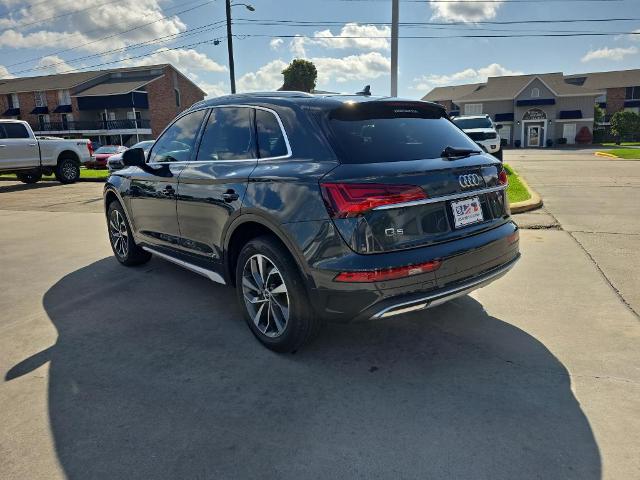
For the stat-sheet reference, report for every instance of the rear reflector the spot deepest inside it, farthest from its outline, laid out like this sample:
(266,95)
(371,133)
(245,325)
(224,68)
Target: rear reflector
(502,177)
(344,200)
(383,274)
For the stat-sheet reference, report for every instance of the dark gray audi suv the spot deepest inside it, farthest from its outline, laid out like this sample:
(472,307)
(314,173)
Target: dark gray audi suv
(315,208)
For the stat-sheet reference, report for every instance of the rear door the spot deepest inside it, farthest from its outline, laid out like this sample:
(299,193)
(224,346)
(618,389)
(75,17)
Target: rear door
(395,189)
(18,149)
(153,190)
(212,185)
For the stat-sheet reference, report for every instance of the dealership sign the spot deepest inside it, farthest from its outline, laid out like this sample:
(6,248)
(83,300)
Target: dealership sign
(534,114)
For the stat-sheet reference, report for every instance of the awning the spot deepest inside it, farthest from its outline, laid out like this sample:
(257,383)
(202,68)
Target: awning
(570,114)
(11,112)
(63,109)
(536,101)
(40,110)
(504,117)
(632,103)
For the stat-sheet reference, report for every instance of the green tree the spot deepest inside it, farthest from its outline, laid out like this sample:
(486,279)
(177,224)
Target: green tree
(598,115)
(625,124)
(300,75)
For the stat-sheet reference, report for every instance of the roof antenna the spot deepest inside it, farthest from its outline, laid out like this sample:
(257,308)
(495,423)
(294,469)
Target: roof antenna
(366,91)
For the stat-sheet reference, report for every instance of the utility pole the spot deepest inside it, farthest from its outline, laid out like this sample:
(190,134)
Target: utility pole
(395,12)
(232,70)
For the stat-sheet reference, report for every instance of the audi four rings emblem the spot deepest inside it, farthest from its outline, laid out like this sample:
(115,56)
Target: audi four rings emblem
(470,180)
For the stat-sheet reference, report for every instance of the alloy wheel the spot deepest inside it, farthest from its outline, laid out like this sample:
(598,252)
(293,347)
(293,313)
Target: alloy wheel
(119,234)
(69,170)
(265,295)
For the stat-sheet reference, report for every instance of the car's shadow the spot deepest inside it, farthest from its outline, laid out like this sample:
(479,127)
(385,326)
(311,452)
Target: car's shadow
(19,187)
(155,375)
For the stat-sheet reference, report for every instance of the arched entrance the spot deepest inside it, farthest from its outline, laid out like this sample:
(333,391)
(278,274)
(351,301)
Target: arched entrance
(534,128)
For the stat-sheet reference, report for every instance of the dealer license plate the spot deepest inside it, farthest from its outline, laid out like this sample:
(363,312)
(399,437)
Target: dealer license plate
(467,211)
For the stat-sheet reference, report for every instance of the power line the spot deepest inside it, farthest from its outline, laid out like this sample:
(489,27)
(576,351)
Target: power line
(575,34)
(73,12)
(111,35)
(194,31)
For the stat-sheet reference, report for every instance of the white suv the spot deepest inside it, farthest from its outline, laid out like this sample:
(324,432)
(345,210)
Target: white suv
(481,129)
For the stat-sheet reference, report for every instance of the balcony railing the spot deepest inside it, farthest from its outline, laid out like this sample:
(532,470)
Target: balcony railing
(93,125)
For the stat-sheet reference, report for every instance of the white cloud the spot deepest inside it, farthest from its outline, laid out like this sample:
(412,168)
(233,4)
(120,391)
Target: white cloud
(214,89)
(426,83)
(344,39)
(465,10)
(95,21)
(267,77)
(4,73)
(607,53)
(52,64)
(276,43)
(183,59)
(366,66)
(296,46)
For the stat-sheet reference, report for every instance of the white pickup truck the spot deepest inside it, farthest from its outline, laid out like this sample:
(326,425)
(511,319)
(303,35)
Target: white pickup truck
(30,158)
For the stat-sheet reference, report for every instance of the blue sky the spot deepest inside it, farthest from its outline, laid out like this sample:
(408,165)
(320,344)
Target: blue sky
(34,43)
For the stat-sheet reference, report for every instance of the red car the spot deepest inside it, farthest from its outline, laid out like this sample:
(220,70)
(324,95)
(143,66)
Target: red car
(100,156)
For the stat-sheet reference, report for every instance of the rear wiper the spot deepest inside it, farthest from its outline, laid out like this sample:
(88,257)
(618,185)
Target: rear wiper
(453,152)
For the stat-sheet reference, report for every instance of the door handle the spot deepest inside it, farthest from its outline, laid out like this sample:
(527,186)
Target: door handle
(230,196)
(2,146)
(32,144)
(168,191)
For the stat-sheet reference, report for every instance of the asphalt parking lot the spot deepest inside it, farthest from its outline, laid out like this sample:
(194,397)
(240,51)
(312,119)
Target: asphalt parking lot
(151,373)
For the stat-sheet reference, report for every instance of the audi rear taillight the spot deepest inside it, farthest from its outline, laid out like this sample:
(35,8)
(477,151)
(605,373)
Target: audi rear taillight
(502,177)
(392,273)
(345,200)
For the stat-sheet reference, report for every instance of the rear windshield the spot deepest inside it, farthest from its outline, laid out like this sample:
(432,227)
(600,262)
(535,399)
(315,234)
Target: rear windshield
(469,123)
(393,132)
(107,149)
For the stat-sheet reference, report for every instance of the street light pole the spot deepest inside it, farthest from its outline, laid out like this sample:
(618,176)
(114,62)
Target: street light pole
(232,69)
(395,11)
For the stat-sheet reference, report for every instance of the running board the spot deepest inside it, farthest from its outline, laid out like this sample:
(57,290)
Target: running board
(210,274)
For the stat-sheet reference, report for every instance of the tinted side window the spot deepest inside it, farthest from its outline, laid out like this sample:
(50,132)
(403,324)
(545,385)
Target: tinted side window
(178,141)
(271,141)
(15,130)
(228,135)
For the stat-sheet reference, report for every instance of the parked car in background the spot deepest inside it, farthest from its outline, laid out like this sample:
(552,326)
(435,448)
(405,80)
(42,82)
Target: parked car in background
(316,208)
(102,154)
(481,130)
(114,162)
(29,157)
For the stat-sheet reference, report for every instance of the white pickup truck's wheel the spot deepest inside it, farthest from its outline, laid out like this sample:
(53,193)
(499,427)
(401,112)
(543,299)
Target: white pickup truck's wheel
(68,170)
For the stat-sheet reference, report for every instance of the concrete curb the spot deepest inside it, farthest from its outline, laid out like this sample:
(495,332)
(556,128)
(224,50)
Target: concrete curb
(101,180)
(604,154)
(532,203)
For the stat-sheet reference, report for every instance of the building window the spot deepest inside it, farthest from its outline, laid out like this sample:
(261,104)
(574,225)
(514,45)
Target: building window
(12,99)
(632,93)
(67,120)
(41,99)
(64,97)
(473,109)
(535,92)
(177,92)
(43,122)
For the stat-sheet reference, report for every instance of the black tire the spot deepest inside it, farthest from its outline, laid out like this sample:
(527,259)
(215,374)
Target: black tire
(30,177)
(498,154)
(121,239)
(302,324)
(67,170)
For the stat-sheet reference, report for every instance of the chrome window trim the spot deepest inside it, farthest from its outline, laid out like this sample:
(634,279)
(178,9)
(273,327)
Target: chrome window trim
(443,198)
(257,107)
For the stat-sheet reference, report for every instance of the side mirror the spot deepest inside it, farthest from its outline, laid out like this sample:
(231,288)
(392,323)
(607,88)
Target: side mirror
(134,157)
(498,127)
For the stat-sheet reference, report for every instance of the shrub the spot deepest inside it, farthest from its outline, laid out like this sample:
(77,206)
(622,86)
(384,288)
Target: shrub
(517,143)
(584,135)
(549,142)
(562,141)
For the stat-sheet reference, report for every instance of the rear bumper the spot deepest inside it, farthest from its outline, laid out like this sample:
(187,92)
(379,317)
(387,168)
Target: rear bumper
(433,299)
(467,263)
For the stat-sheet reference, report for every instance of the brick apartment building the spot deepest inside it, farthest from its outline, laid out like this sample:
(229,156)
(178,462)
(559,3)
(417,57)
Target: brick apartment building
(116,106)
(535,108)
